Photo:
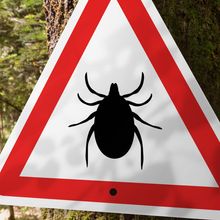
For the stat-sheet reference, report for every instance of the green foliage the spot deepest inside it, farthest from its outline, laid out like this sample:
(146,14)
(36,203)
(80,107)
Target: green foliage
(23,53)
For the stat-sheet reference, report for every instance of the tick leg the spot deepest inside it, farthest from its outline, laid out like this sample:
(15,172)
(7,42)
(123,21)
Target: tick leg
(140,104)
(91,89)
(87,142)
(86,103)
(144,122)
(136,131)
(136,90)
(87,119)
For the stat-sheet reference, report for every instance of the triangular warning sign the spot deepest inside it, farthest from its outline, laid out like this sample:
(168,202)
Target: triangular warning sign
(116,62)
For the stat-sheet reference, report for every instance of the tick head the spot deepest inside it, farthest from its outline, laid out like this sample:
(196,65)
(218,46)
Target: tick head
(114,90)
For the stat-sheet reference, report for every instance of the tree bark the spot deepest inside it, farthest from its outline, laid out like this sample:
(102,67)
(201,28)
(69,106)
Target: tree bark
(12,214)
(57,13)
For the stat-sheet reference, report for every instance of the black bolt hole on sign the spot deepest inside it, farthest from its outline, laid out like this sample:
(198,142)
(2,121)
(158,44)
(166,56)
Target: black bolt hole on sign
(113,192)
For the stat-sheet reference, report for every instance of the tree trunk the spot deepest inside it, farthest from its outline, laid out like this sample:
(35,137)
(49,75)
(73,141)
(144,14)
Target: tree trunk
(12,214)
(194,26)
(57,13)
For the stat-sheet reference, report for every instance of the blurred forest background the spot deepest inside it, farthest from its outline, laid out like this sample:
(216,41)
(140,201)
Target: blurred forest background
(29,30)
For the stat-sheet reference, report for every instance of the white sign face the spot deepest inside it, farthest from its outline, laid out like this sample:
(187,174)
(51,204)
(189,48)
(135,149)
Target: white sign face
(157,157)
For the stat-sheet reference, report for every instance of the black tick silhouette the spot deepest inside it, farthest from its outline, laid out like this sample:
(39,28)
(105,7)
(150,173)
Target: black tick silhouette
(114,126)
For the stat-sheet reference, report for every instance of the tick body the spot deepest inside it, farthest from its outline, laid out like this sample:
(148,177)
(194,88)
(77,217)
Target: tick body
(114,126)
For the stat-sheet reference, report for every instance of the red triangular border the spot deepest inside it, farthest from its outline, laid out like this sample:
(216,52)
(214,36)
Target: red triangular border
(98,191)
